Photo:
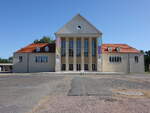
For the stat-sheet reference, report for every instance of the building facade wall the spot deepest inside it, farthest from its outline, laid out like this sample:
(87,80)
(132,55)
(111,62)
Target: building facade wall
(108,66)
(136,67)
(127,65)
(20,67)
(28,63)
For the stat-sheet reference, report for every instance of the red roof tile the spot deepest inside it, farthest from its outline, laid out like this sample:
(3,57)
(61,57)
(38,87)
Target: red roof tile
(124,48)
(32,47)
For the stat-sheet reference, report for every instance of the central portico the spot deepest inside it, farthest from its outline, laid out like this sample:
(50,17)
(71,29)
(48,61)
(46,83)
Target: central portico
(78,46)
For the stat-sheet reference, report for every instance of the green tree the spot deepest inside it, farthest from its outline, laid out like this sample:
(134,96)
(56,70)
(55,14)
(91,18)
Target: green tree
(44,39)
(147,60)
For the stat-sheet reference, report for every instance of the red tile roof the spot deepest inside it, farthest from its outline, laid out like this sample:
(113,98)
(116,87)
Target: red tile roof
(32,48)
(124,48)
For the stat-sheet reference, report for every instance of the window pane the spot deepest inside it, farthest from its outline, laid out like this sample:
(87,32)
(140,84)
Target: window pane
(78,48)
(93,47)
(71,48)
(86,47)
(63,47)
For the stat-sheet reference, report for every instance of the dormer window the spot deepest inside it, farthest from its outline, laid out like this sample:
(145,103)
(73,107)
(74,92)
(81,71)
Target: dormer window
(109,49)
(46,48)
(118,49)
(37,49)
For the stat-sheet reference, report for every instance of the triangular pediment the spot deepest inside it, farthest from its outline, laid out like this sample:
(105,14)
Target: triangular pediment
(78,25)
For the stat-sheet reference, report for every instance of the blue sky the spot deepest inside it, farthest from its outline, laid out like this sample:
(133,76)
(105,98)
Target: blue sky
(121,21)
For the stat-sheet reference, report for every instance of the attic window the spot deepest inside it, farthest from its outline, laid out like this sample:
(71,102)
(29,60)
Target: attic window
(118,49)
(79,27)
(109,49)
(46,48)
(37,49)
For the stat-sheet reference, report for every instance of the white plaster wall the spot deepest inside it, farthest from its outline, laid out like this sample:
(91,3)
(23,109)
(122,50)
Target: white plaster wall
(20,66)
(136,67)
(115,67)
(42,67)
(24,67)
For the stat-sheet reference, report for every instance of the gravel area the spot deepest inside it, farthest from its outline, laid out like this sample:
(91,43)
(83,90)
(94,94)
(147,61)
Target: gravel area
(82,86)
(50,93)
(92,104)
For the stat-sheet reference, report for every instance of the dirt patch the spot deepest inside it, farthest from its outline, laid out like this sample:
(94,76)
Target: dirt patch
(131,93)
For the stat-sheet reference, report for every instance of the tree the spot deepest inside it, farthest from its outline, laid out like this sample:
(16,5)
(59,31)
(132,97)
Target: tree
(147,60)
(9,60)
(44,39)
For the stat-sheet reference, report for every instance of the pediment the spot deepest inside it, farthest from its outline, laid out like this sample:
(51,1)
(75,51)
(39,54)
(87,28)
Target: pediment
(78,25)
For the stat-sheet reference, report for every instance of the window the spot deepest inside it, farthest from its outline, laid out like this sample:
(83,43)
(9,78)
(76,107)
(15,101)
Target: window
(71,67)
(78,27)
(71,48)
(41,59)
(78,67)
(86,67)
(93,47)
(63,48)
(20,59)
(78,48)
(37,49)
(94,67)
(136,58)
(115,59)
(86,47)
(63,67)
(118,49)
(46,48)
(109,49)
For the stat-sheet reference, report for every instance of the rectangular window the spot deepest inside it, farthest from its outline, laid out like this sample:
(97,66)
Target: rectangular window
(136,59)
(20,59)
(71,48)
(115,59)
(86,67)
(71,67)
(63,47)
(94,67)
(86,47)
(41,59)
(63,67)
(78,48)
(93,47)
(78,67)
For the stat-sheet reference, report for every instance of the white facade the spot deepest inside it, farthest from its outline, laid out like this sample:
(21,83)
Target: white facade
(66,57)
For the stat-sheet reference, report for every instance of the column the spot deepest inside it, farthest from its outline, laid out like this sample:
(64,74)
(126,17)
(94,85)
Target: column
(90,53)
(82,53)
(98,54)
(58,54)
(74,55)
(67,54)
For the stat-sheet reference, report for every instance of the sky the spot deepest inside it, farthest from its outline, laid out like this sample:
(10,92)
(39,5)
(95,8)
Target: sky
(120,21)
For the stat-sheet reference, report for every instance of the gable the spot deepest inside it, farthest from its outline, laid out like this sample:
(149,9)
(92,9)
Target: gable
(78,25)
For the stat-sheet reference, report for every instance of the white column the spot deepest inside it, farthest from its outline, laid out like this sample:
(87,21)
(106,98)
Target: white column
(82,53)
(74,55)
(90,53)
(67,54)
(98,55)
(58,54)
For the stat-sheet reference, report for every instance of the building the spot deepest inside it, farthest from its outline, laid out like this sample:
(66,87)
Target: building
(78,48)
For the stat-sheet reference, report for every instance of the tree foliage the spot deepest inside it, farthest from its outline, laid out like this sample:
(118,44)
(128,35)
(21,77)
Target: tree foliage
(2,60)
(147,60)
(44,39)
